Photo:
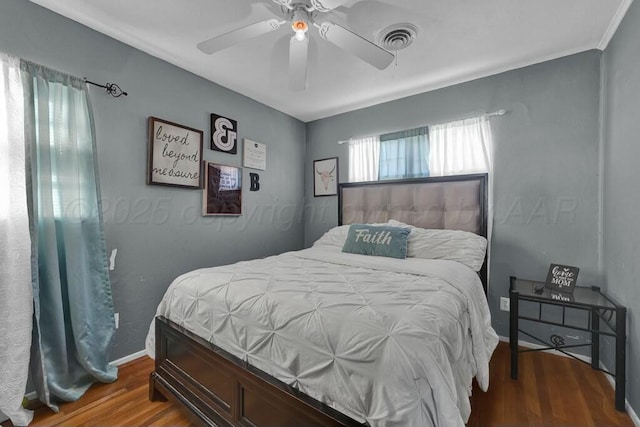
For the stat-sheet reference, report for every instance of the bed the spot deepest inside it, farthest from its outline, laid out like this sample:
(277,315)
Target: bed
(321,337)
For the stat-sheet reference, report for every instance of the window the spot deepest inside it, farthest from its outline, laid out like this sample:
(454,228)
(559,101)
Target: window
(452,148)
(65,153)
(460,147)
(404,154)
(364,158)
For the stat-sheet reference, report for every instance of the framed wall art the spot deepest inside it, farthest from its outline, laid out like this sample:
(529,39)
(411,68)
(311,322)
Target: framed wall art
(325,177)
(255,155)
(222,194)
(224,134)
(174,154)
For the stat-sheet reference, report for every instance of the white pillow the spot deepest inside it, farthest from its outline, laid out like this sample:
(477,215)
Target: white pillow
(334,237)
(454,245)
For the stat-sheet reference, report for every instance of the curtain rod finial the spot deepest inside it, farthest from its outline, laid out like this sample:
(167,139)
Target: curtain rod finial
(111,88)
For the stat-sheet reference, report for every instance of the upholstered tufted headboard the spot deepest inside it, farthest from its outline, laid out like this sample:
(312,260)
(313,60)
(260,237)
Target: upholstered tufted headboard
(450,202)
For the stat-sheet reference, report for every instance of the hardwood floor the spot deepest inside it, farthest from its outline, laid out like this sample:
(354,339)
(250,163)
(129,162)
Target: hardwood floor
(122,403)
(551,391)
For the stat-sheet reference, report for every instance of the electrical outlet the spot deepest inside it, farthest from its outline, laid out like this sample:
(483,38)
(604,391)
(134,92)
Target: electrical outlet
(504,303)
(116,317)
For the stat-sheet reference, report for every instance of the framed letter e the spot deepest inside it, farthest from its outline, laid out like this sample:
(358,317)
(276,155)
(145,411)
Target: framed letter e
(224,134)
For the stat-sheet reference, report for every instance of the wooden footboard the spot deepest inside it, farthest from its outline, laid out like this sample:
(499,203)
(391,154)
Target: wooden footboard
(217,388)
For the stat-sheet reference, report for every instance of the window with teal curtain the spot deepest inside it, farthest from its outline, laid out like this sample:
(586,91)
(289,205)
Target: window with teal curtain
(404,154)
(73,306)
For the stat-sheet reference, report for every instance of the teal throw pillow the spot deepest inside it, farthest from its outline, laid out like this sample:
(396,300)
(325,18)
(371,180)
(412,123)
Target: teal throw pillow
(378,240)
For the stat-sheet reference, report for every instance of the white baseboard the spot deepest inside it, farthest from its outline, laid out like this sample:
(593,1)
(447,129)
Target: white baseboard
(611,379)
(528,344)
(129,358)
(630,411)
(33,395)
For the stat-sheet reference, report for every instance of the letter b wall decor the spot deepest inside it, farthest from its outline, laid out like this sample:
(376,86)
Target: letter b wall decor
(224,134)
(255,182)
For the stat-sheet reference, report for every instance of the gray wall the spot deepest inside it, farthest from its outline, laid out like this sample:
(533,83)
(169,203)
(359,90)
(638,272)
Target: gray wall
(546,163)
(621,203)
(158,231)
(546,183)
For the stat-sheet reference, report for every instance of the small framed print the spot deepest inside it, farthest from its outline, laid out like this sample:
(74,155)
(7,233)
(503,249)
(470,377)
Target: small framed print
(325,177)
(224,134)
(174,154)
(562,278)
(255,155)
(222,194)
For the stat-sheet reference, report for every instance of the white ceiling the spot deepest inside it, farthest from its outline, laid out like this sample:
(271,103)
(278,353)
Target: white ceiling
(458,40)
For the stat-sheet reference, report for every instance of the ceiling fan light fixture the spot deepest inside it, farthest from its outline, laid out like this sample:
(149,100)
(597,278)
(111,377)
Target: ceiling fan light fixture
(300,35)
(300,23)
(301,28)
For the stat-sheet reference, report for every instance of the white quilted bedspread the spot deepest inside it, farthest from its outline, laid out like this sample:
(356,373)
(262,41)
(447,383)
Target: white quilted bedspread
(385,341)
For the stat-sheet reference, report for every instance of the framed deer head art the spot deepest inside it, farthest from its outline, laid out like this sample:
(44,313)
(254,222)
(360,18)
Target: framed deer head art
(325,177)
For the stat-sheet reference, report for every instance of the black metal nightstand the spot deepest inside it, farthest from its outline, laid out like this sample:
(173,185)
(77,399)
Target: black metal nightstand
(589,299)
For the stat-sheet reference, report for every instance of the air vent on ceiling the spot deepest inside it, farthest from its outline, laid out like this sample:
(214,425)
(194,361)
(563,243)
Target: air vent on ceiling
(397,36)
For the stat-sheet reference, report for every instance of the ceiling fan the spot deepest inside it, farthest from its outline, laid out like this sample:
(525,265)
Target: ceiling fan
(301,14)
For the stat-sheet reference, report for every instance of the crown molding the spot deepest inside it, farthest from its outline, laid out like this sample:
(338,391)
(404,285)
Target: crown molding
(614,24)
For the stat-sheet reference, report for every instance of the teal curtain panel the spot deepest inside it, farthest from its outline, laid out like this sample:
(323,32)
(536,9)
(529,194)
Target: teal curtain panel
(74,322)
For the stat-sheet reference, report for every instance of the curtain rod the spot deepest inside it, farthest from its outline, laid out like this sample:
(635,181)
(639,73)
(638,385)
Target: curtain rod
(500,112)
(111,88)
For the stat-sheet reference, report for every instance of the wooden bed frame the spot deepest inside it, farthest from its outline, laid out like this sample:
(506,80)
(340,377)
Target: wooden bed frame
(218,389)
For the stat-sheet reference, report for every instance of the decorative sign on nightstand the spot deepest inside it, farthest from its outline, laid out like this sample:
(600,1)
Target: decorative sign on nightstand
(562,278)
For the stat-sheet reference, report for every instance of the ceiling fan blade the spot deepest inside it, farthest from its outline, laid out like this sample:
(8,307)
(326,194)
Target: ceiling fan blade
(357,45)
(326,5)
(231,38)
(298,53)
